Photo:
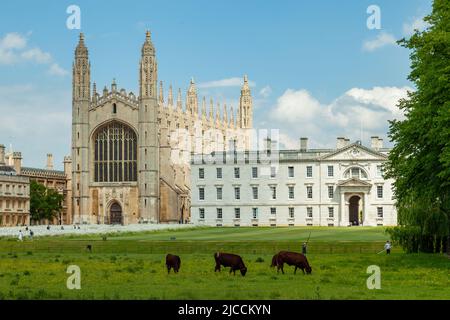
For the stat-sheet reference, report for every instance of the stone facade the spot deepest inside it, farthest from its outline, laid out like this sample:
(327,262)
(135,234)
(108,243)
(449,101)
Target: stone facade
(50,178)
(128,150)
(316,187)
(14,193)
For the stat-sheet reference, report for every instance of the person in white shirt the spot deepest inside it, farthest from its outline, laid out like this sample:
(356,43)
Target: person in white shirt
(387,247)
(20,235)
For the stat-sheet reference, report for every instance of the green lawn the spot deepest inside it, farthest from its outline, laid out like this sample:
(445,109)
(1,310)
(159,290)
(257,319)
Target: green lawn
(131,266)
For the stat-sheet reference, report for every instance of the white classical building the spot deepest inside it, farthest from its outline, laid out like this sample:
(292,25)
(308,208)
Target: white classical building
(304,187)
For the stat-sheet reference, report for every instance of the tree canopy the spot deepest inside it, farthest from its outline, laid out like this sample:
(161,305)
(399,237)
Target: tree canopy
(45,203)
(420,159)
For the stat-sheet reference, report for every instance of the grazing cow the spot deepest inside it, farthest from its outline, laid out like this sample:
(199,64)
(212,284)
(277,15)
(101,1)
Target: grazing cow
(230,260)
(173,261)
(293,259)
(274,261)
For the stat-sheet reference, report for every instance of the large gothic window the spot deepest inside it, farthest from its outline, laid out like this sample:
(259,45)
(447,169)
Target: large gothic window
(115,155)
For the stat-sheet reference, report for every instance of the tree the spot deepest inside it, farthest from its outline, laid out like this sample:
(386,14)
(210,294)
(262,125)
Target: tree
(45,203)
(420,159)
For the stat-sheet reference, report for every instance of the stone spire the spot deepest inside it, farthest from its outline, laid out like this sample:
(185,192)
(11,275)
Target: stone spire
(161,93)
(231,117)
(225,115)
(204,108)
(179,103)
(94,93)
(218,113)
(81,71)
(113,85)
(211,110)
(170,97)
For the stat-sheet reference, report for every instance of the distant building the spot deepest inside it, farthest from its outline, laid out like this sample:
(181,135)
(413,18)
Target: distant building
(303,187)
(50,178)
(14,192)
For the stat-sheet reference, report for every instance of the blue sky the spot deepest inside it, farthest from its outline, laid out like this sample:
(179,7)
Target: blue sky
(317,70)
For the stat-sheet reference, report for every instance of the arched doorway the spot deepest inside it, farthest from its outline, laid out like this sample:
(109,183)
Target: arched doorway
(354,210)
(115,214)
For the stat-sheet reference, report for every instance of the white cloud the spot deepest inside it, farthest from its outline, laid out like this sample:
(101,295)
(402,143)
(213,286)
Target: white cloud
(56,70)
(37,55)
(265,92)
(229,82)
(297,114)
(13,40)
(415,24)
(382,39)
(14,49)
(36,122)
(296,107)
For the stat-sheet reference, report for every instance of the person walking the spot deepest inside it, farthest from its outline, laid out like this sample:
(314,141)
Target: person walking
(387,247)
(304,248)
(31,234)
(20,235)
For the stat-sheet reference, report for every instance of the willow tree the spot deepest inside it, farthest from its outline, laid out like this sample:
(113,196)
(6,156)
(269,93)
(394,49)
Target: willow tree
(420,159)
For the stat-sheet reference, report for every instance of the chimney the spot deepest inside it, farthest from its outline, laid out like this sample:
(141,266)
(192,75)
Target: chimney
(17,160)
(303,144)
(49,161)
(341,142)
(376,143)
(2,154)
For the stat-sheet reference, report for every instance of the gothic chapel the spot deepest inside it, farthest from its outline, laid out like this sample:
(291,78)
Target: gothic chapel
(123,168)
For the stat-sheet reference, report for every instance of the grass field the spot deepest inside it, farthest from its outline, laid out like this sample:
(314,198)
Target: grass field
(131,266)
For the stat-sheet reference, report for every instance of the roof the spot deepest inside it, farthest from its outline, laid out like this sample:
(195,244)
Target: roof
(37,172)
(7,170)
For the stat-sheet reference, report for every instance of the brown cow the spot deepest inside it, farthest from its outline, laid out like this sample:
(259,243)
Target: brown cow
(230,260)
(173,261)
(293,259)
(274,261)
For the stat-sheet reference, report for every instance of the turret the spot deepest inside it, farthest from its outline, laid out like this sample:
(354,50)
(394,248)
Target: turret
(245,106)
(80,133)
(148,162)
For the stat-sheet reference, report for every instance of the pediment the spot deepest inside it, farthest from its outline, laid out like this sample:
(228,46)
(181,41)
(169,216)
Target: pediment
(354,182)
(355,152)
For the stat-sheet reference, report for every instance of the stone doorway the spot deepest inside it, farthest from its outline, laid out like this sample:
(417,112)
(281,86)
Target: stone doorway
(353,210)
(115,215)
